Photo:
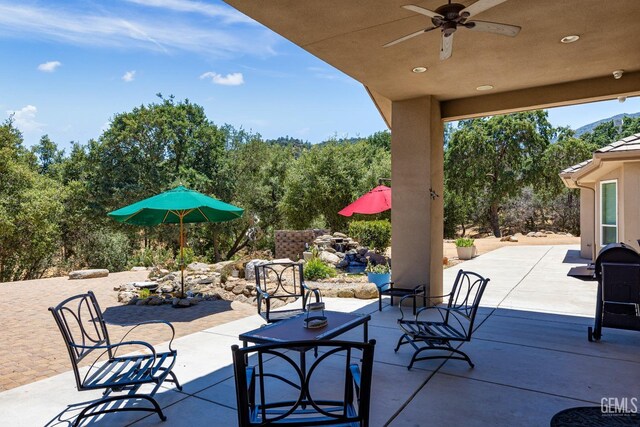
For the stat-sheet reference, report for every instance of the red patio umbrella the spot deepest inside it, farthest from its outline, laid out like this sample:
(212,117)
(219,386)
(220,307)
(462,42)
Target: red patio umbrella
(375,201)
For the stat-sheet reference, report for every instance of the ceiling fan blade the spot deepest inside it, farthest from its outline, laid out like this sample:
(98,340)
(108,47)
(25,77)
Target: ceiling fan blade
(423,11)
(409,36)
(447,47)
(479,7)
(494,27)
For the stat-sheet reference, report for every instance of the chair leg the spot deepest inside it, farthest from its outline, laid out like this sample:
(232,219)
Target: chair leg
(379,300)
(84,413)
(463,355)
(401,343)
(174,380)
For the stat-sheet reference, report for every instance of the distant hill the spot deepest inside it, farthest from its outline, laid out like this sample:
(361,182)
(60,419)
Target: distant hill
(617,120)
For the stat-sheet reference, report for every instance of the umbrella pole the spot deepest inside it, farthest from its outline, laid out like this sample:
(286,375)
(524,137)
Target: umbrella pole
(182,255)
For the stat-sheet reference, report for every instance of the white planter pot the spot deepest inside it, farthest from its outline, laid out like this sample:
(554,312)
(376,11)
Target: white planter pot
(466,253)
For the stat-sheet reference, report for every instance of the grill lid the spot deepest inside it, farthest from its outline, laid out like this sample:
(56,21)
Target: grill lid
(616,252)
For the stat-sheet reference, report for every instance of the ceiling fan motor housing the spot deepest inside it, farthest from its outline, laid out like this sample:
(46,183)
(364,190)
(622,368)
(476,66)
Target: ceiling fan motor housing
(451,11)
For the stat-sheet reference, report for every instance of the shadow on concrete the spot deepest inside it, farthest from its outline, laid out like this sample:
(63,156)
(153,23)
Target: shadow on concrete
(573,257)
(522,332)
(131,314)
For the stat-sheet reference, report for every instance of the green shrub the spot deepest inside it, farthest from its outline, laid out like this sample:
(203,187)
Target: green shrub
(378,268)
(152,257)
(316,269)
(374,234)
(105,249)
(464,242)
(144,293)
(189,257)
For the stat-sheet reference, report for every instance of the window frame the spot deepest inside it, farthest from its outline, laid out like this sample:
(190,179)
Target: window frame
(600,215)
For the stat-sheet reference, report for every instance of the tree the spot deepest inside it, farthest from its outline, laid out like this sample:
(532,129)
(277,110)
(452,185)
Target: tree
(48,155)
(327,178)
(29,211)
(496,157)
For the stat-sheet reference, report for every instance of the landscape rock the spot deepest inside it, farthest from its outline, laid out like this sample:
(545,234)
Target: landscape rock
(88,274)
(376,258)
(183,303)
(345,293)
(237,290)
(331,250)
(366,291)
(250,268)
(540,234)
(306,255)
(138,268)
(341,235)
(125,287)
(329,257)
(531,234)
(219,266)
(155,301)
(152,286)
(505,238)
(513,239)
(126,296)
(166,287)
(196,266)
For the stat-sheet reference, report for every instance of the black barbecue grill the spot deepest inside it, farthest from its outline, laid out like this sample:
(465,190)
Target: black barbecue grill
(617,270)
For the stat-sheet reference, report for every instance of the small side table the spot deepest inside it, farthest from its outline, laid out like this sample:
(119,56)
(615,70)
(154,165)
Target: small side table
(419,291)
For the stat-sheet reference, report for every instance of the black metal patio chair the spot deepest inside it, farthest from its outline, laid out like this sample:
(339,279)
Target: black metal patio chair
(280,390)
(281,281)
(85,333)
(454,325)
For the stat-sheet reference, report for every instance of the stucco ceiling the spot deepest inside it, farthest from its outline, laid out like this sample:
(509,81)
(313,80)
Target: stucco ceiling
(349,34)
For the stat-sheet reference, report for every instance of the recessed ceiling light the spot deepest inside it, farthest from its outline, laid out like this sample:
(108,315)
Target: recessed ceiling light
(484,87)
(419,70)
(570,39)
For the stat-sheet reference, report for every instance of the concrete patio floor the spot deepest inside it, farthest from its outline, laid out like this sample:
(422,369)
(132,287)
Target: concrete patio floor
(530,349)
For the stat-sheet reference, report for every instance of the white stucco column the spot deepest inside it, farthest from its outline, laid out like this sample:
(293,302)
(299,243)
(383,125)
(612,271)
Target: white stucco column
(416,170)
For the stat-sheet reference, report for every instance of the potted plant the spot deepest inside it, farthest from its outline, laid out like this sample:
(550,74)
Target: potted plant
(465,248)
(379,274)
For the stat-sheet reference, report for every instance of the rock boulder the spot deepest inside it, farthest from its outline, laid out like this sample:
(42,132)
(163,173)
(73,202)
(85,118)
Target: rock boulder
(88,274)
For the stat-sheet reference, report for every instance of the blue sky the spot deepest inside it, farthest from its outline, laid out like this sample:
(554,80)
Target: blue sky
(69,66)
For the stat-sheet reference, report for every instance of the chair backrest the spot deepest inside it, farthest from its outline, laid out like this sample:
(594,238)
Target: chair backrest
(281,390)
(280,279)
(464,301)
(82,327)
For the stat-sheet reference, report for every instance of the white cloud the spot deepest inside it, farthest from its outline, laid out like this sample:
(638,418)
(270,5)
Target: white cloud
(129,76)
(233,79)
(49,67)
(228,14)
(25,119)
(132,30)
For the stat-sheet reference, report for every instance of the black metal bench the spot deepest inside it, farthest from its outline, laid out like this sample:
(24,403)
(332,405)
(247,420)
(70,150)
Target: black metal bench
(281,281)
(85,333)
(454,325)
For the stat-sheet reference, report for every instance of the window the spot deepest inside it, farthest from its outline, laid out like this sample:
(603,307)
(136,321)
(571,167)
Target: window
(608,212)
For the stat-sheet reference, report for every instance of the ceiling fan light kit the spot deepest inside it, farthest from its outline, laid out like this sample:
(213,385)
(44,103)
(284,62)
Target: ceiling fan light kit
(570,39)
(451,16)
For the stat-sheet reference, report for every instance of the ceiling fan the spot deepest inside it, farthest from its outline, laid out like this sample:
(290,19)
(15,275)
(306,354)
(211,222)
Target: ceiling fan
(451,16)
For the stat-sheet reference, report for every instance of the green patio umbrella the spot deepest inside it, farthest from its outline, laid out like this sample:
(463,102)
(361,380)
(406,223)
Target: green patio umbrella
(177,206)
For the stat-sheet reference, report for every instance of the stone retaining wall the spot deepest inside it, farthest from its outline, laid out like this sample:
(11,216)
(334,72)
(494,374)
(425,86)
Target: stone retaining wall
(291,243)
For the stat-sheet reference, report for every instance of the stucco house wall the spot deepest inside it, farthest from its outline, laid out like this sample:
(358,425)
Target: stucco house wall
(620,162)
